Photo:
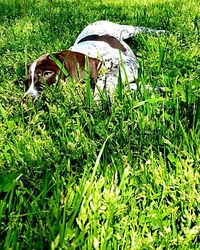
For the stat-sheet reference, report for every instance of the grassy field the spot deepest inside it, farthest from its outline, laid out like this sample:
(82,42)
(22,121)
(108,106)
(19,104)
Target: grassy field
(75,174)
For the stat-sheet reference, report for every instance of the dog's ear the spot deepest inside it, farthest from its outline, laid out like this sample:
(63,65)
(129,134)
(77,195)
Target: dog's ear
(68,60)
(75,64)
(95,65)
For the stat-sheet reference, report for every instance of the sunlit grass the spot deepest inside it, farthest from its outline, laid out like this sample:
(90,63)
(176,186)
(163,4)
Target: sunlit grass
(80,174)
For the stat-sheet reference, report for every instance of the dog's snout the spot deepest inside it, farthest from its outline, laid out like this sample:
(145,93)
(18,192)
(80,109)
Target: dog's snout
(32,92)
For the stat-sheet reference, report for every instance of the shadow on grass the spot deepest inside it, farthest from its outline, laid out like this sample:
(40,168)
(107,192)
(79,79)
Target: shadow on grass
(74,15)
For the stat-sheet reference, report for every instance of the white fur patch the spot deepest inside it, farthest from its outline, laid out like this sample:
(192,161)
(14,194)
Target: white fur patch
(32,90)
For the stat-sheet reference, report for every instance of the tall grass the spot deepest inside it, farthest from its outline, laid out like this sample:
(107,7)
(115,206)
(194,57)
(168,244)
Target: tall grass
(80,174)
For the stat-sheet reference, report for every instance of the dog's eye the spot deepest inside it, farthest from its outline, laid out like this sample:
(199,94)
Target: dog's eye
(47,74)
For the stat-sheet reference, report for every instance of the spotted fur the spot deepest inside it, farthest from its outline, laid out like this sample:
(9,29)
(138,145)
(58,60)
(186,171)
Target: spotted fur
(112,58)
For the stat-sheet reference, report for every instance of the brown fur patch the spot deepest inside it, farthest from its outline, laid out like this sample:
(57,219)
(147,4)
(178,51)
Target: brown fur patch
(112,41)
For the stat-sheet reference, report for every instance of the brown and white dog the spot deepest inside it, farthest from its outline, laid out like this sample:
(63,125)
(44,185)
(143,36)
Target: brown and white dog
(101,45)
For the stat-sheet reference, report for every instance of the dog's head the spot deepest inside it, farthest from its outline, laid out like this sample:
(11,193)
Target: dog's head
(44,70)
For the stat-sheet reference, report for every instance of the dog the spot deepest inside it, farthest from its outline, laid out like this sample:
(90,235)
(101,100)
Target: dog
(103,47)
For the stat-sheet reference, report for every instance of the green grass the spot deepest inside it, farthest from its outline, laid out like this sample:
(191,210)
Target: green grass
(76,174)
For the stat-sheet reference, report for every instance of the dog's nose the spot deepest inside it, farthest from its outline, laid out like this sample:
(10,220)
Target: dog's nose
(31,92)
(23,100)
